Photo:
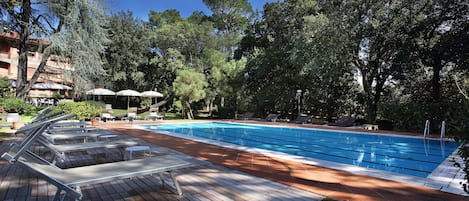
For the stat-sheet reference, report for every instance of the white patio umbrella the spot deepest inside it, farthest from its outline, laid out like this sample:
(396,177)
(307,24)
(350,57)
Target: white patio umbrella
(128,93)
(100,92)
(152,94)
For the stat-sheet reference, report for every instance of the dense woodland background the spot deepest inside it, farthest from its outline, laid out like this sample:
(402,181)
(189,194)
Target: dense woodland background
(400,61)
(397,61)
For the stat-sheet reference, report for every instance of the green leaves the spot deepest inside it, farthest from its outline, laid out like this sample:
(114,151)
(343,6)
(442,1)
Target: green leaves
(190,84)
(126,54)
(190,87)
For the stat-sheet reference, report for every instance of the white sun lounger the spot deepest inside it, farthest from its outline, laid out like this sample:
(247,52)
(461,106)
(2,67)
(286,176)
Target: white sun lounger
(69,124)
(76,135)
(60,151)
(71,129)
(70,180)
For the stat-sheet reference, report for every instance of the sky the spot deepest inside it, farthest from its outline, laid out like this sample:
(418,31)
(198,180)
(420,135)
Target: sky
(141,8)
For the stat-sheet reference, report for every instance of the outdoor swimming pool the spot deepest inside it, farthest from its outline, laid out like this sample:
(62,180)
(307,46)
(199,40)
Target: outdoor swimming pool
(405,155)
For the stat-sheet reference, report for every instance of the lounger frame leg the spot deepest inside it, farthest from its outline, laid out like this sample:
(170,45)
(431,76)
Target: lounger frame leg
(57,195)
(174,187)
(60,197)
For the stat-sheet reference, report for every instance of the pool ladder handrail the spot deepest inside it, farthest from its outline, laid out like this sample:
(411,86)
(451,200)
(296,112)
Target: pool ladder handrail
(443,130)
(426,131)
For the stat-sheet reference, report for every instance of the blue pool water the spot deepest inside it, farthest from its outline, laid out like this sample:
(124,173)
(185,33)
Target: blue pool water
(405,155)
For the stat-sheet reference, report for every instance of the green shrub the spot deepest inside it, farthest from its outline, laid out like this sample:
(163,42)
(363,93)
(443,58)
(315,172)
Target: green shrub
(5,87)
(411,117)
(85,110)
(405,117)
(145,103)
(16,105)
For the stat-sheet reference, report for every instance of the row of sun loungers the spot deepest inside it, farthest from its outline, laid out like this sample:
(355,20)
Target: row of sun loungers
(301,119)
(68,181)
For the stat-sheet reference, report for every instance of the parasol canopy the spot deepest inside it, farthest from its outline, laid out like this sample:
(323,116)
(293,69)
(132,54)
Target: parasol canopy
(101,92)
(128,93)
(151,94)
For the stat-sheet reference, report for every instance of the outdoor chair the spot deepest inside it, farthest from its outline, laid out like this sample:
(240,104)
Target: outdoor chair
(343,122)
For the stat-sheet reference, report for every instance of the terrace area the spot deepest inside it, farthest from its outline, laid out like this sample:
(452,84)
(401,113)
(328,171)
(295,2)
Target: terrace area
(219,174)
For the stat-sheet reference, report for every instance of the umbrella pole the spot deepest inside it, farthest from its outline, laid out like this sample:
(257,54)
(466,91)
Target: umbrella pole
(128,101)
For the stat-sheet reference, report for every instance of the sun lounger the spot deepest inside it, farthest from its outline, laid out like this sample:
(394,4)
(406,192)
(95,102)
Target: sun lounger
(69,124)
(301,119)
(154,115)
(60,151)
(33,131)
(246,116)
(77,135)
(41,114)
(343,122)
(70,180)
(272,117)
(71,129)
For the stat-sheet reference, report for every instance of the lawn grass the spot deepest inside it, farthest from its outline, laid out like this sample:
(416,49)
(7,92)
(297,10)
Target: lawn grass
(7,131)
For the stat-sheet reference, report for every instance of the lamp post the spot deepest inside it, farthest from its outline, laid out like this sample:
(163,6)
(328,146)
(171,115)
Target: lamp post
(298,98)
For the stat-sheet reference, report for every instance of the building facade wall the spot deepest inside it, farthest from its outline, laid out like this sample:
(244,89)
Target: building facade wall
(55,70)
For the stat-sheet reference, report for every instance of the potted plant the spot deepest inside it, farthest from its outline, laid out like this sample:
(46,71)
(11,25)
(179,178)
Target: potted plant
(95,121)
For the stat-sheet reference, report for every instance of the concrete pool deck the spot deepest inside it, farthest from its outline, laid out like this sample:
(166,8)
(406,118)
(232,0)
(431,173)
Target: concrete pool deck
(324,181)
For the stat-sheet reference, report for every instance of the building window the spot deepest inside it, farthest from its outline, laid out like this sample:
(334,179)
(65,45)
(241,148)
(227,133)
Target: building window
(4,65)
(4,47)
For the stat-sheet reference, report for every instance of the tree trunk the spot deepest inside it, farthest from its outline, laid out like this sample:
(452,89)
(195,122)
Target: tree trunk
(188,109)
(22,73)
(436,86)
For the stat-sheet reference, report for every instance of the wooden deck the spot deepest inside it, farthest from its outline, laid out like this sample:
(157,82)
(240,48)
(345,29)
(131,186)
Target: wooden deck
(203,182)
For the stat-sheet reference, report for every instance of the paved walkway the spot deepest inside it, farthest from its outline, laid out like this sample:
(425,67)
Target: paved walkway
(323,181)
